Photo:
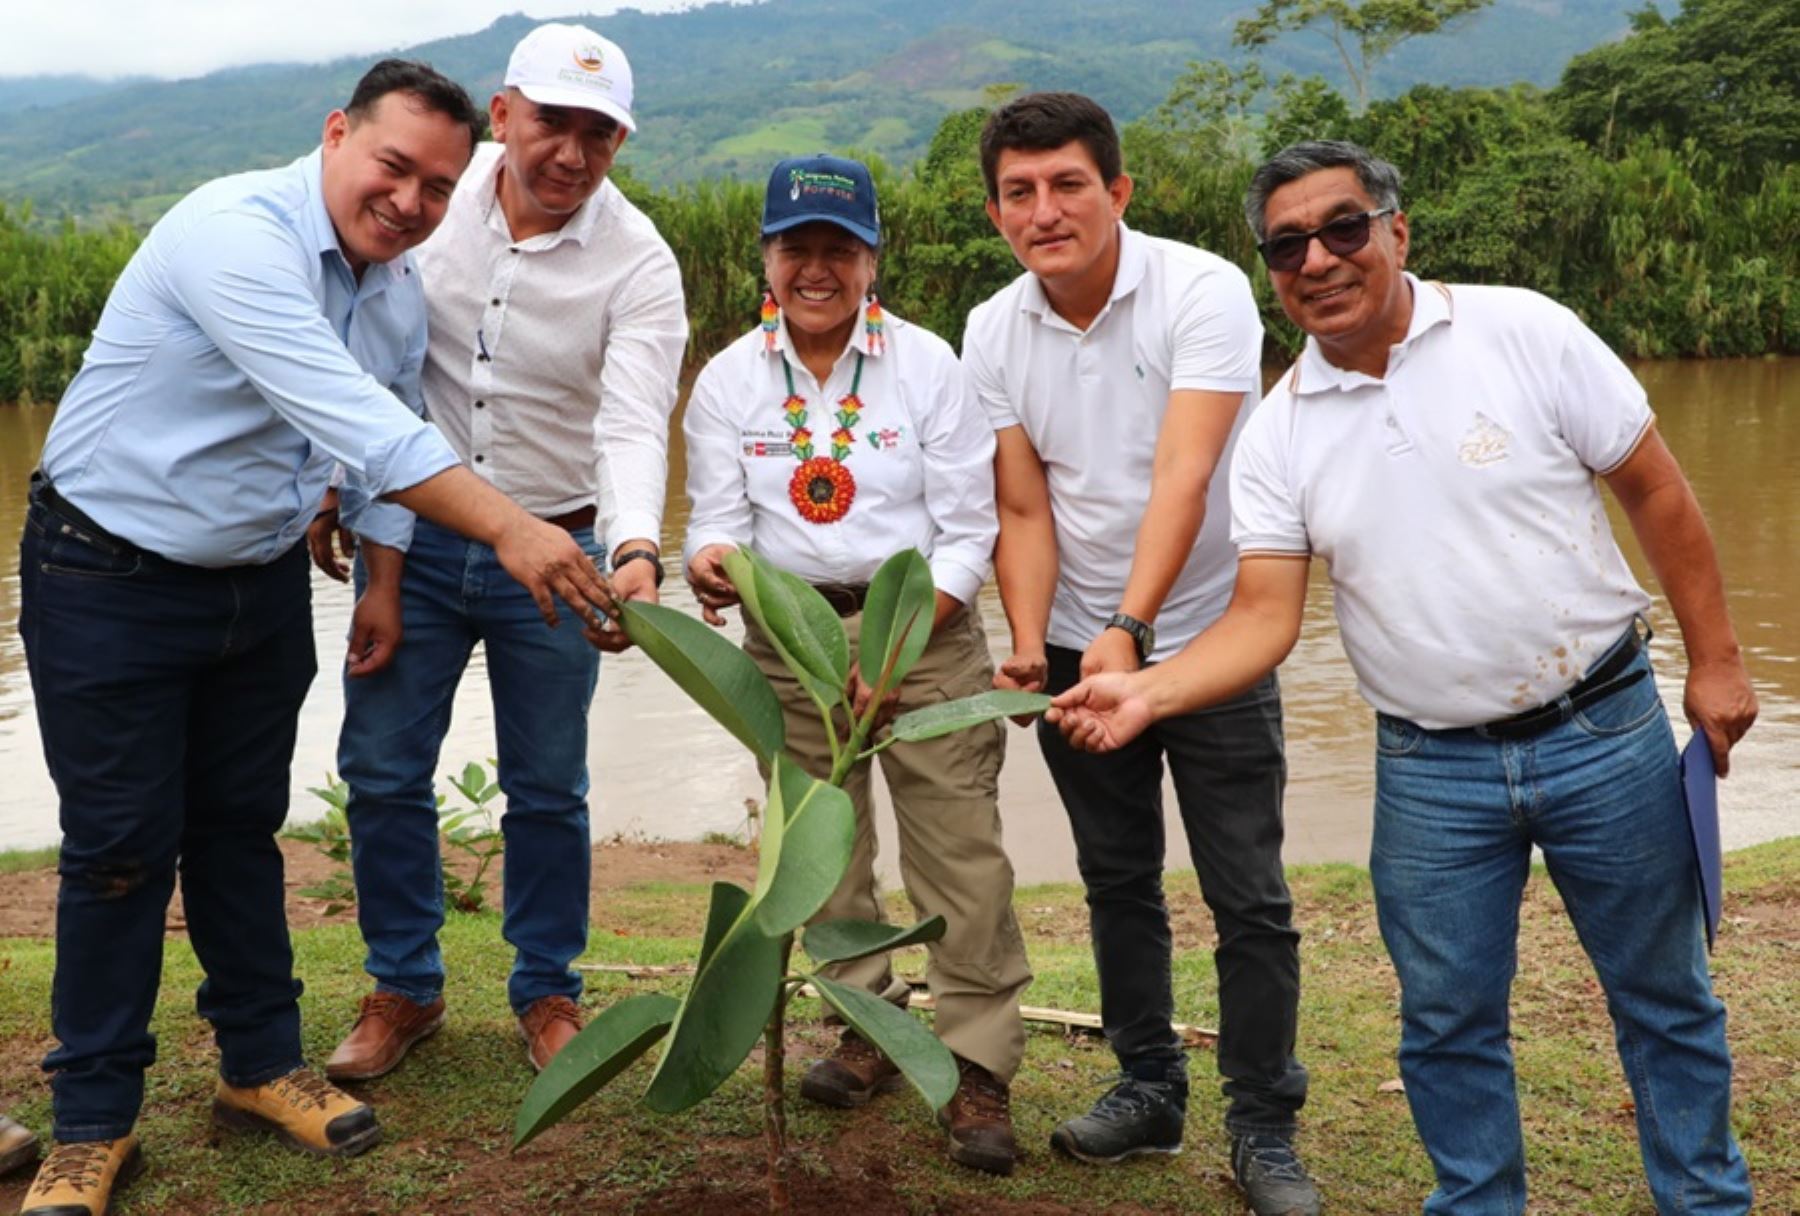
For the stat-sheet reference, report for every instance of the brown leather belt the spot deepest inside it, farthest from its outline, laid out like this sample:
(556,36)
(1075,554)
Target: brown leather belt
(846,599)
(580,517)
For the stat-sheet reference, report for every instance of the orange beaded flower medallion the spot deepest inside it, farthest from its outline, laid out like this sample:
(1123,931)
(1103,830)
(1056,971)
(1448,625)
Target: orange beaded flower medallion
(822,490)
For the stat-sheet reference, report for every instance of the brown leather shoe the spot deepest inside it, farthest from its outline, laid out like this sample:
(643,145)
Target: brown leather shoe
(979,1120)
(18,1147)
(304,1110)
(386,1027)
(547,1025)
(850,1075)
(79,1179)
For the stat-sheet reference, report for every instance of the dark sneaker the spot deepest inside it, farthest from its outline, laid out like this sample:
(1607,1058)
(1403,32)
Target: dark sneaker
(1271,1176)
(851,1075)
(303,1110)
(79,1179)
(1132,1117)
(979,1120)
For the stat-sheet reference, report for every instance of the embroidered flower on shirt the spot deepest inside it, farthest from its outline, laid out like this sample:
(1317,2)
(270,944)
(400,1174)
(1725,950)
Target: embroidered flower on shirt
(1487,442)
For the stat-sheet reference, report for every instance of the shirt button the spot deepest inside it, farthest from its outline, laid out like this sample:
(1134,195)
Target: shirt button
(1391,422)
(495,301)
(481,405)
(480,459)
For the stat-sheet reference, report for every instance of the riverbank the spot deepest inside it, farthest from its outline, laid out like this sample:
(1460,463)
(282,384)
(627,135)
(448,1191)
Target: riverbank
(448,1111)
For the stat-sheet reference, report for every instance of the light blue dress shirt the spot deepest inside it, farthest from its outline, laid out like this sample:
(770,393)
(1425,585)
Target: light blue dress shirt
(237,359)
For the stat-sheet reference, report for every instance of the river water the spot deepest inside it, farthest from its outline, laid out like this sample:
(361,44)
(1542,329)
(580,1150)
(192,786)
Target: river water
(663,770)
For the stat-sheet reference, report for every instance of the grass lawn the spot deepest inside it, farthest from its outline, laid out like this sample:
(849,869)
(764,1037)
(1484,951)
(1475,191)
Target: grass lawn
(448,1111)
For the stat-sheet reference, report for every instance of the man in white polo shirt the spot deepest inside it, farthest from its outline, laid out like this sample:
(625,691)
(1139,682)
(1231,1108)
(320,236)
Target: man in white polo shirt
(557,328)
(1116,372)
(1439,447)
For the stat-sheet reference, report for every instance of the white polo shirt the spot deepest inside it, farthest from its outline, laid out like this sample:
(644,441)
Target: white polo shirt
(1092,404)
(1475,572)
(921,455)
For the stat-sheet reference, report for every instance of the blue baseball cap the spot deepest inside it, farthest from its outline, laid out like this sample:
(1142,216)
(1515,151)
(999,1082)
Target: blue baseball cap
(805,189)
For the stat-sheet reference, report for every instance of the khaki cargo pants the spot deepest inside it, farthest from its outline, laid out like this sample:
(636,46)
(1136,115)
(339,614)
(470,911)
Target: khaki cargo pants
(952,861)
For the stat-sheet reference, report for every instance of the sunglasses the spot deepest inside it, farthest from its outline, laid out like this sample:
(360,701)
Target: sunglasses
(1342,236)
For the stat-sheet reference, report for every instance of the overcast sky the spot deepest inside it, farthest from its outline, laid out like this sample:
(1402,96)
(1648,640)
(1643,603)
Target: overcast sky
(190,37)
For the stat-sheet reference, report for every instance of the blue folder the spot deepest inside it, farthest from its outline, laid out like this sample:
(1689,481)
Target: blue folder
(1701,785)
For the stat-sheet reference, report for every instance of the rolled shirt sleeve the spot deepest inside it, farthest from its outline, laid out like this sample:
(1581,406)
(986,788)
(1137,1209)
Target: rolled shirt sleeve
(640,378)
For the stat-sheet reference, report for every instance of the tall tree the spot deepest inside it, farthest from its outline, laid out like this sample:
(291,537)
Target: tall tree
(1363,32)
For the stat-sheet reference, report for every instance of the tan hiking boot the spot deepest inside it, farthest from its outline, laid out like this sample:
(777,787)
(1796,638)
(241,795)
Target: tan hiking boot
(387,1025)
(979,1120)
(850,1075)
(304,1109)
(18,1147)
(547,1026)
(79,1179)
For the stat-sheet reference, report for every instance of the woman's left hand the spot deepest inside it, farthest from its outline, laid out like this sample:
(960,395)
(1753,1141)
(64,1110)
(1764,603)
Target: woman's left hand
(711,586)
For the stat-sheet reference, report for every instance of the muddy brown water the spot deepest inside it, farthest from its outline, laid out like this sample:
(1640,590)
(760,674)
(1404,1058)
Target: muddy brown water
(663,770)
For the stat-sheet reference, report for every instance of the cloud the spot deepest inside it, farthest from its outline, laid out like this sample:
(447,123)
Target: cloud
(174,38)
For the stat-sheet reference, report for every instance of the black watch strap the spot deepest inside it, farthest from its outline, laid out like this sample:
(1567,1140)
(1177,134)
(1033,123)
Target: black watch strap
(1141,633)
(641,555)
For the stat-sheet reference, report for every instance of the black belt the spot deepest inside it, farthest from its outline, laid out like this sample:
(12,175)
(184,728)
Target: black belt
(846,599)
(574,521)
(1609,676)
(46,494)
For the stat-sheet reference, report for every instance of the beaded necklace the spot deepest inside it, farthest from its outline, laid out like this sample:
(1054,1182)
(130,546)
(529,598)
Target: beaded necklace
(822,488)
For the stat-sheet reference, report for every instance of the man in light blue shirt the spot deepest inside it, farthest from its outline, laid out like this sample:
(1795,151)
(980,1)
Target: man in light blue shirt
(270,325)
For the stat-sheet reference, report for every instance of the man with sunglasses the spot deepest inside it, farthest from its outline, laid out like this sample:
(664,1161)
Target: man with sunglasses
(1439,447)
(1117,372)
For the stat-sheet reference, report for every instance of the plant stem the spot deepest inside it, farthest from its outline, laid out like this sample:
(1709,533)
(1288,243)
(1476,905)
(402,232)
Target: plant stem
(774,1102)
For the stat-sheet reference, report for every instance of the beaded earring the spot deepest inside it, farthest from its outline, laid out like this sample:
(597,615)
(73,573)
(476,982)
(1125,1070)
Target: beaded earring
(874,325)
(770,314)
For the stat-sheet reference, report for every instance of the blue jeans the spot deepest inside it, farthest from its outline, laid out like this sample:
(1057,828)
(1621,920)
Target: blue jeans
(453,595)
(168,698)
(1456,816)
(1229,771)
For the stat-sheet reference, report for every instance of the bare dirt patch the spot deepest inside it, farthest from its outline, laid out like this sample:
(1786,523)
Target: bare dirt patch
(28,898)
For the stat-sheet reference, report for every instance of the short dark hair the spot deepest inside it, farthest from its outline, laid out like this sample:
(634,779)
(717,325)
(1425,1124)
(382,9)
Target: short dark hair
(1380,179)
(1038,122)
(434,91)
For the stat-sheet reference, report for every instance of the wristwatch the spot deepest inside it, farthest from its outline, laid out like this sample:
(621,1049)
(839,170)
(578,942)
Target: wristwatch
(641,555)
(1140,631)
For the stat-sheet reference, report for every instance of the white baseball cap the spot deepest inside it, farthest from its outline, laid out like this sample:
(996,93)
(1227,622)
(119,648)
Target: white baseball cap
(571,65)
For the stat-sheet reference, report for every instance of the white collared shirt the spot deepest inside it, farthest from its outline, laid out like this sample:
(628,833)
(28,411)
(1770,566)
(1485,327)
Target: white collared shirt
(1475,571)
(554,362)
(1092,404)
(921,454)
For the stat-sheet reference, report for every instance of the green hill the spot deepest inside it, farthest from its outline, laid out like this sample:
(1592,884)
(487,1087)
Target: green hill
(723,89)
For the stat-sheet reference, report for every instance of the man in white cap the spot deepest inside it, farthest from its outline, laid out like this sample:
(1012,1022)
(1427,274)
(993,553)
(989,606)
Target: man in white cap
(557,329)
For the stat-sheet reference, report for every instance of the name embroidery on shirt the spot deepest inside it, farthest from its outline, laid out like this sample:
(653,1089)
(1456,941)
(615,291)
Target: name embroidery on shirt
(1487,442)
(886,439)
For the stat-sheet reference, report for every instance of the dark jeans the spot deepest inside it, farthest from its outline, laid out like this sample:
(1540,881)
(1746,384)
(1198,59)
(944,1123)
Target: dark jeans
(167,697)
(1229,773)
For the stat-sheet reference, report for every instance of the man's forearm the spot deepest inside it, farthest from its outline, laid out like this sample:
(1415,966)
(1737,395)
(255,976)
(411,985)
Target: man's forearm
(1228,658)
(1672,530)
(1165,538)
(462,502)
(1025,571)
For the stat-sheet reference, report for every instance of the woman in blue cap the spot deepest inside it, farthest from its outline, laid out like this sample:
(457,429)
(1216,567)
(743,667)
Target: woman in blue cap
(829,438)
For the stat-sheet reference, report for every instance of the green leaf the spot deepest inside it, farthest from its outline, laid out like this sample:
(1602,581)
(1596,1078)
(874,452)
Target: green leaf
(840,941)
(721,679)
(947,716)
(726,1008)
(896,620)
(603,1049)
(807,835)
(474,777)
(901,1037)
(784,608)
(728,903)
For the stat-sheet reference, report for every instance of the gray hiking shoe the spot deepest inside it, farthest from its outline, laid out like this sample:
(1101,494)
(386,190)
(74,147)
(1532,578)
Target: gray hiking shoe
(1131,1118)
(1271,1176)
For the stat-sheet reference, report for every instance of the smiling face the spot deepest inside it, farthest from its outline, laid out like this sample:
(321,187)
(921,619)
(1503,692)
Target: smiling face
(1356,306)
(1059,216)
(556,157)
(387,177)
(819,275)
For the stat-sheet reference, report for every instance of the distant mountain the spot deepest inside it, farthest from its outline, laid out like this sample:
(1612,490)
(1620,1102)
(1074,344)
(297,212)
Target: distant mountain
(725,89)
